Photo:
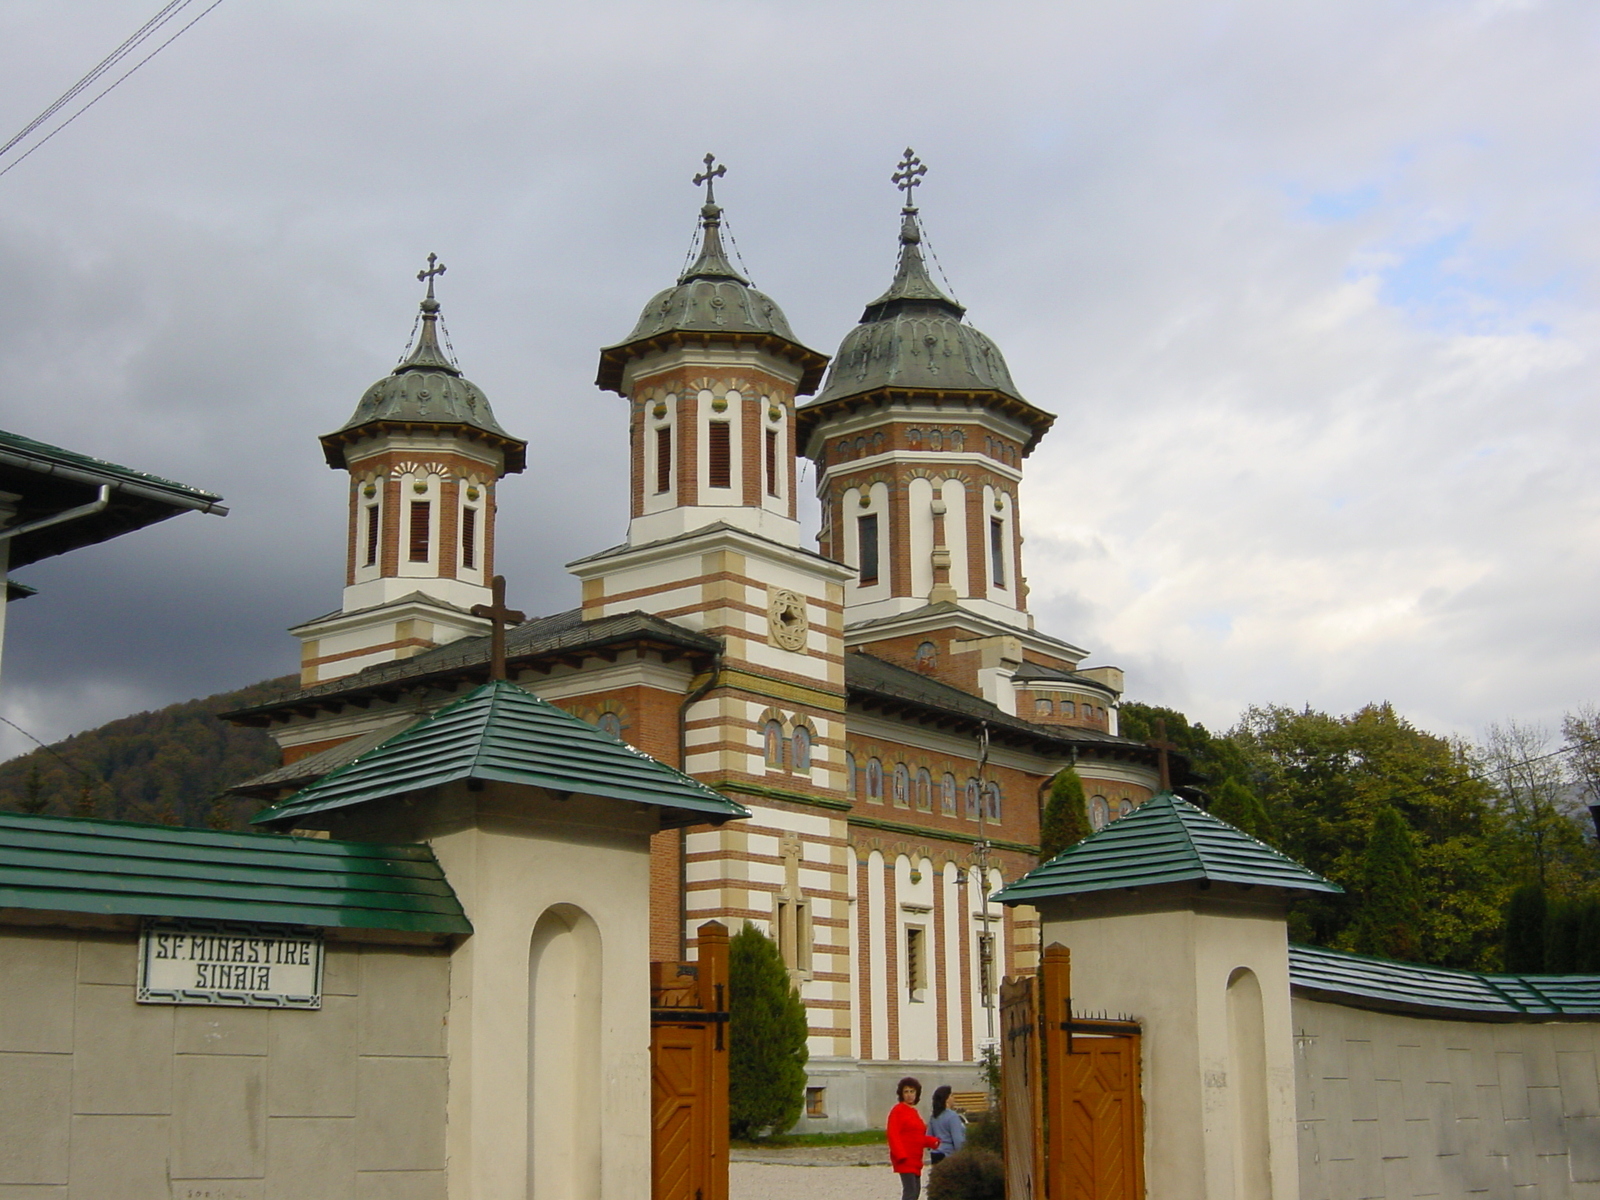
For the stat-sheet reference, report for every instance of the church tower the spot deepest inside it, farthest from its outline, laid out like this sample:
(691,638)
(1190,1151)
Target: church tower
(710,374)
(424,453)
(918,437)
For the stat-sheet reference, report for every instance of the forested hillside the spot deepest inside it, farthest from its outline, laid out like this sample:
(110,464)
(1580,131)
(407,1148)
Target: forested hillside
(166,766)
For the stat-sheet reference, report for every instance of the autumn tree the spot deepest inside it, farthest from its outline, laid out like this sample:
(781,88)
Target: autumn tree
(1539,795)
(1323,779)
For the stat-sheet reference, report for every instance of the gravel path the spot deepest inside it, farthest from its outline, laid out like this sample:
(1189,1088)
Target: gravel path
(772,1181)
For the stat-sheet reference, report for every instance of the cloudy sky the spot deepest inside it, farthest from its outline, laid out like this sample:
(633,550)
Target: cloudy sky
(1311,286)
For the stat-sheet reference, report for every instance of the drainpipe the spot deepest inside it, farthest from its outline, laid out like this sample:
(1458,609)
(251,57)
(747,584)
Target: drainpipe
(683,765)
(60,518)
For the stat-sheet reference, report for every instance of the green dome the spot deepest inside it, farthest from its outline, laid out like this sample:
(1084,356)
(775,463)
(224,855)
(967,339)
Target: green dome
(426,389)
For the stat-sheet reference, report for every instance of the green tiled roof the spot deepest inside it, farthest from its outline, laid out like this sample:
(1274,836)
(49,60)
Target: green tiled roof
(503,733)
(70,864)
(1164,840)
(1415,987)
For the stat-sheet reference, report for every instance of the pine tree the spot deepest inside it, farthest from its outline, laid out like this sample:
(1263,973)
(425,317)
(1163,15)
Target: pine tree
(766,1038)
(33,800)
(1240,807)
(1561,929)
(1524,941)
(1066,817)
(1390,914)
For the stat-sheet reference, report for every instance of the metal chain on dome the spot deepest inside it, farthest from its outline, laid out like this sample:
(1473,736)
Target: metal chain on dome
(448,348)
(934,254)
(734,242)
(411,342)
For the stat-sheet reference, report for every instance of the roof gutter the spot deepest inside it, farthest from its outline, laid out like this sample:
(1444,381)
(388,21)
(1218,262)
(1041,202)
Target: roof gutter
(62,517)
(144,491)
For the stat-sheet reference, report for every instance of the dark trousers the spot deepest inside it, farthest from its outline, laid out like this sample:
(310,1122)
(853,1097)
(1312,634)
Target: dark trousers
(935,1158)
(910,1185)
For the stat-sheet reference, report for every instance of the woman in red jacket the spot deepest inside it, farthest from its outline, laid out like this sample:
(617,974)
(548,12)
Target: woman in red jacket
(908,1138)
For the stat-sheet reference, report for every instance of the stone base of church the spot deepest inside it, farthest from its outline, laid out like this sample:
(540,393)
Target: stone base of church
(858,1094)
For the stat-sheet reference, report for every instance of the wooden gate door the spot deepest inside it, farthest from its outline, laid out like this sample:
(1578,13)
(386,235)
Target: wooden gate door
(689,1073)
(1021,1131)
(1077,1133)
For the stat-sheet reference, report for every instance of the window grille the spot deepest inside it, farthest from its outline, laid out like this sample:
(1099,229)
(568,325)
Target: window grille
(372,535)
(469,538)
(421,511)
(663,458)
(867,547)
(719,456)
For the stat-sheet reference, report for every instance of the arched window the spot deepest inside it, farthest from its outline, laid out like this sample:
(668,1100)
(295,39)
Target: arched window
(1099,813)
(902,786)
(851,780)
(801,753)
(1124,807)
(874,781)
(1068,709)
(935,440)
(914,438)
(947,795)
(924,791)
(972,799)
(927,657)
(861,445)
(611,723)
(843,449)
(774,745)
(992,792)
(1043,707)
(958,438)
(877,442)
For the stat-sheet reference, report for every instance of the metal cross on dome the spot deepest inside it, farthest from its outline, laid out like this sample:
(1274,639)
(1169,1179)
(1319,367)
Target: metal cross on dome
(431,273)
(709,176)
(909,175)
(1162,746)
(498,616)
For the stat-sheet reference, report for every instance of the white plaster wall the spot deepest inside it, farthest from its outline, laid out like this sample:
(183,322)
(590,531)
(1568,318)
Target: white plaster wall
(878,985)
(1392,1105)
(955,533)
(1165,960)
(918,1029)
(512,855)
(920,508)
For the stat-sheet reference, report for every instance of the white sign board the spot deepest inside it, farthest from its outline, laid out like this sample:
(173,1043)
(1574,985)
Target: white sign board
(230,962)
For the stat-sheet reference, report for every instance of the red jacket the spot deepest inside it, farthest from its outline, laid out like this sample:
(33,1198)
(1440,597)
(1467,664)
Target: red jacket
(908,1138)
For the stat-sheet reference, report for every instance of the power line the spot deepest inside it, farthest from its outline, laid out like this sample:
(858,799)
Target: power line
(167,13)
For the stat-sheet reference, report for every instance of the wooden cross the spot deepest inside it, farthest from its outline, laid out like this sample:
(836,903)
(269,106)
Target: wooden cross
(1161,746)
(709,176)
(430,273)
(909,174)
(498,616)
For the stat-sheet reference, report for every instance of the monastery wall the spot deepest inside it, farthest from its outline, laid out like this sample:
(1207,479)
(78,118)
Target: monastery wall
(1394,1106)
(101,1096)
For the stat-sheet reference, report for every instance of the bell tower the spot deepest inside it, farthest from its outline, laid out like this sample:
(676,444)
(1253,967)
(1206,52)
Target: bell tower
(424,453)
(918,437)
(710,374)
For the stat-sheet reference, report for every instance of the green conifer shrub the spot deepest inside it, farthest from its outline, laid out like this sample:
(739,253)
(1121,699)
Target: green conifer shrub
(1390,917)
(1524,938)
(1562,922)
(1240,807)
(1066,816)
(766,1038)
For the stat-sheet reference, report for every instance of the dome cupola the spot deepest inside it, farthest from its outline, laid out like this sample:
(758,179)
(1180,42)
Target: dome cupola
(711,302)
(426,390)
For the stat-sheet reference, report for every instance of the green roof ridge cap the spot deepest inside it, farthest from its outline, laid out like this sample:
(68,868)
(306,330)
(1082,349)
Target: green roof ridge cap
(484,761)
(1156,844)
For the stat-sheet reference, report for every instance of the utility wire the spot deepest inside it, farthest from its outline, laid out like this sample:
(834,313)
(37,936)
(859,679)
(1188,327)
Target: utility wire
(166,14)
(66,762)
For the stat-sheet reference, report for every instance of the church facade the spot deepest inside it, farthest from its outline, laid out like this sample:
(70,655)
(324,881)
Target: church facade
(883,704)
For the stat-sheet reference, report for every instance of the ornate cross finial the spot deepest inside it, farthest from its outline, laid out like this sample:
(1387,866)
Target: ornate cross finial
(709,176)
(909,175)
(1162,746)
(498,616)
(430,273)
